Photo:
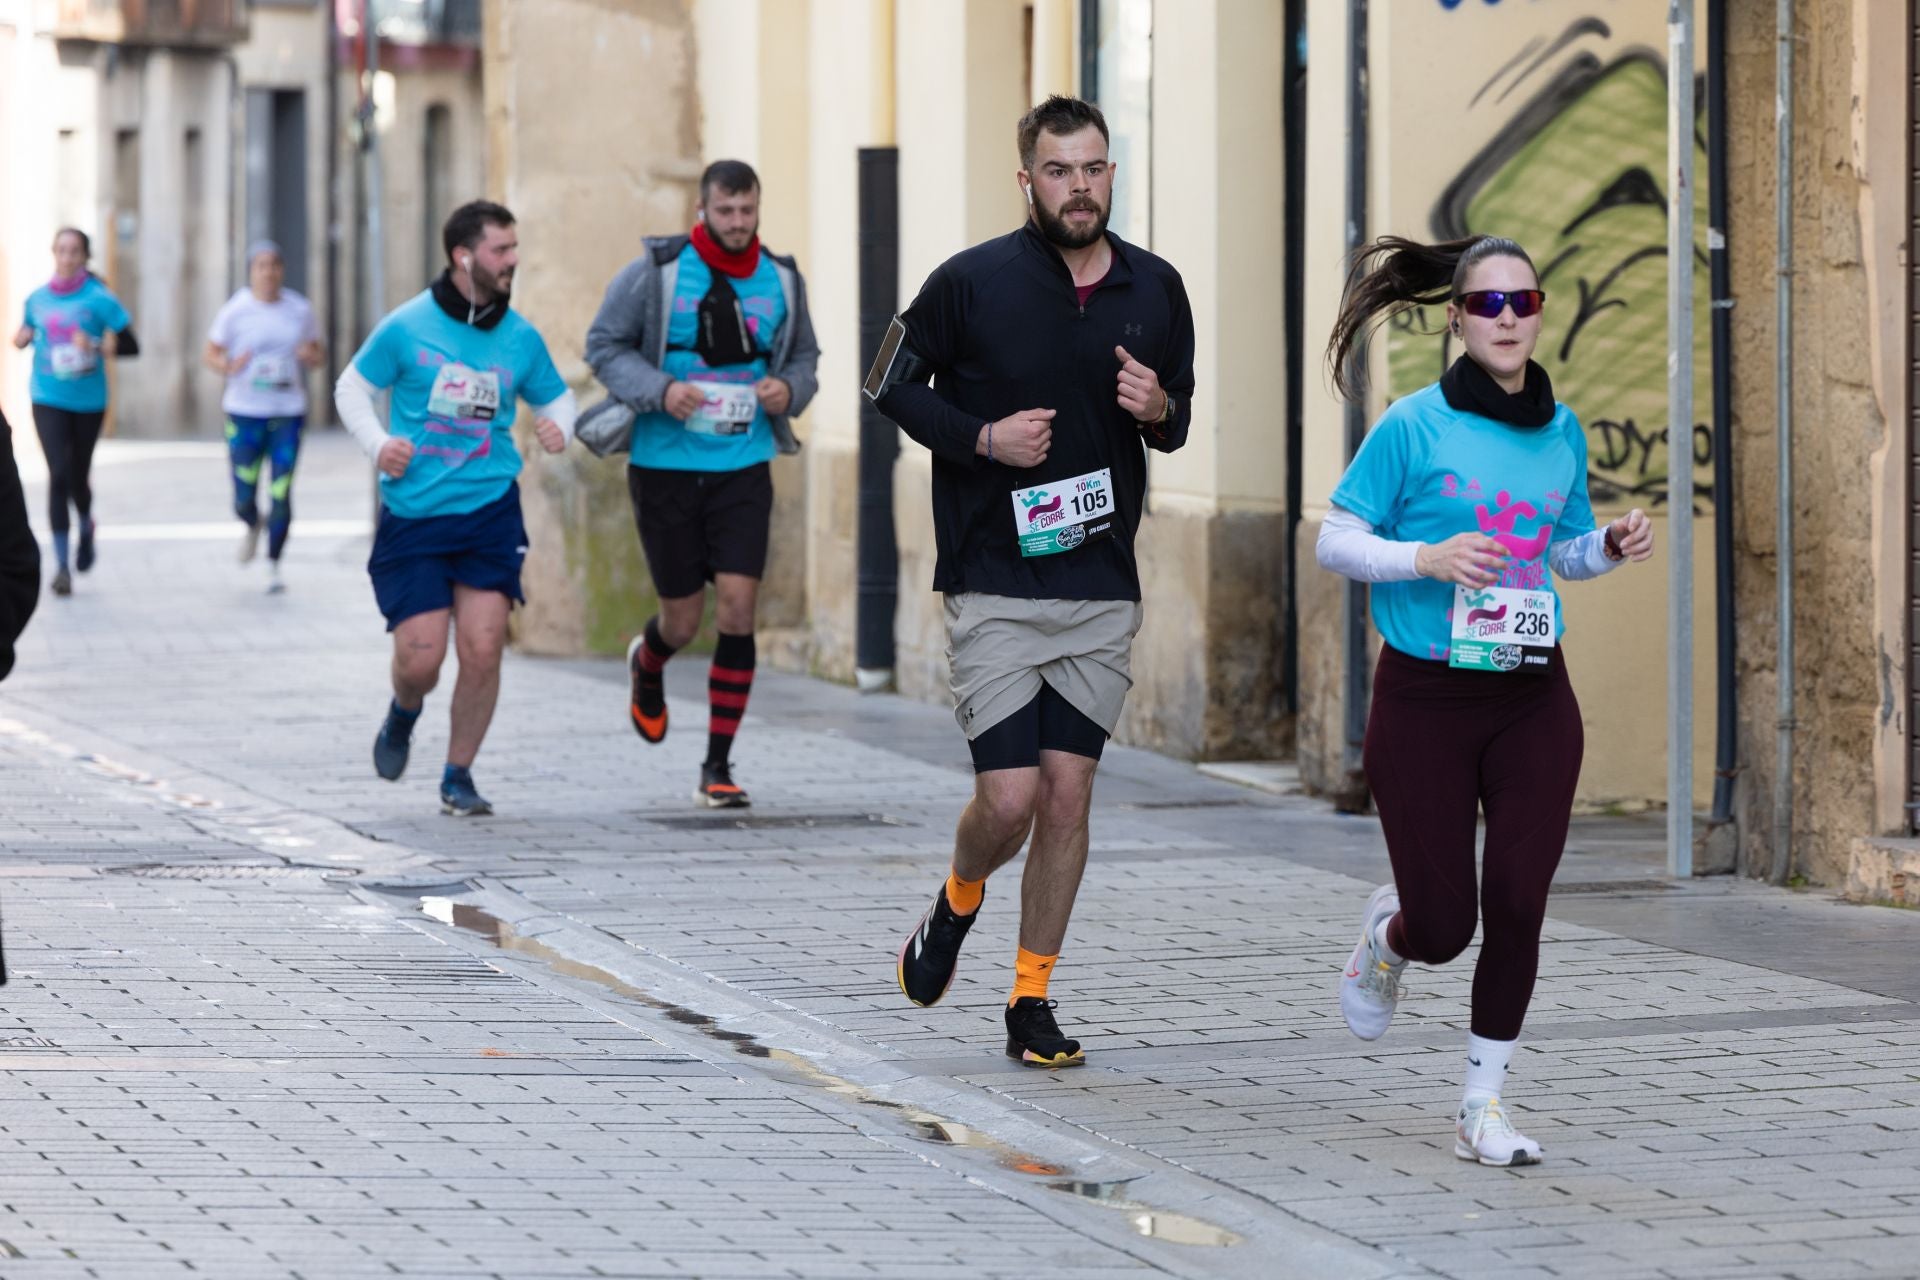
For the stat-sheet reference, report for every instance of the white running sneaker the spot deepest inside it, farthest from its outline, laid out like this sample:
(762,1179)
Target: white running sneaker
(1485,1134)
(275,585)
(1370,987)
(249,543)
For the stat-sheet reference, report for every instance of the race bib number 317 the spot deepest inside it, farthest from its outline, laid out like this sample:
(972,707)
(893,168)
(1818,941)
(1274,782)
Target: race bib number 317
(1502,629)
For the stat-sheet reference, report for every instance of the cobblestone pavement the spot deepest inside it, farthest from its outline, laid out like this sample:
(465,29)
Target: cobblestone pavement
(604,1034)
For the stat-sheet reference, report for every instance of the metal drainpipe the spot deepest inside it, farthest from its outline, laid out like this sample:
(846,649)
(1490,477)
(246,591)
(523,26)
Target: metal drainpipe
(876,553)
(1356,409)
(1726,718)
(1783,394)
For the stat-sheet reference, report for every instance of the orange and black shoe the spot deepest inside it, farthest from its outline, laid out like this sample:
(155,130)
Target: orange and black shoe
(717,790)
(647,703)
(931,952)
(1034,1039)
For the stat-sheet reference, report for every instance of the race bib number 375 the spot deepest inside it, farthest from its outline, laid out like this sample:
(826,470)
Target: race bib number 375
(1502,629)
(461,394)
(1064,515)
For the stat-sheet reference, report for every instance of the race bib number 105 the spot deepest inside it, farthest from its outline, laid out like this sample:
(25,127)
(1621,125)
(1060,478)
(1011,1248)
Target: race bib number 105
(1064,515)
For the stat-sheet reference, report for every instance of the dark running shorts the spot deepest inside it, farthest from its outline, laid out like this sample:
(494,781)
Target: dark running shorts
(1048,723)
(694,524)
(416,561)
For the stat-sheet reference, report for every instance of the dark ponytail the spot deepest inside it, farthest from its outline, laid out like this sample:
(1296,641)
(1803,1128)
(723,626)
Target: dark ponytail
(1392,274)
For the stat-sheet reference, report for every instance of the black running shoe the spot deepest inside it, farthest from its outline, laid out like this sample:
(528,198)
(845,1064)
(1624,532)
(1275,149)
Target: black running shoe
(717,789)
(647,699)
(1034,1038)
(83,554)
(392,745)
(932,951)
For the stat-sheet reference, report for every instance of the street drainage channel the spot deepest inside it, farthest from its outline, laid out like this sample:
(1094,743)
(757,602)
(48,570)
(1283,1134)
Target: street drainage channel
(1146,1220)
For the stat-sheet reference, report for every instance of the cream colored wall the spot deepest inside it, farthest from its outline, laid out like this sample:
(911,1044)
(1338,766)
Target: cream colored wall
(1880,140)
(960,93)
(850,89)
(587,590)
(1445,84)
(1217,129)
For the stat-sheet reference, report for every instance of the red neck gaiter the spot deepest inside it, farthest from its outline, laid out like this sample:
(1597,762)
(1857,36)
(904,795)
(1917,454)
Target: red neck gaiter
(738,265)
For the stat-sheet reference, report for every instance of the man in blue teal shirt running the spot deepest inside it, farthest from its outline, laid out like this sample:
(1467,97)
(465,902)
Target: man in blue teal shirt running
(704,340)
(450,543)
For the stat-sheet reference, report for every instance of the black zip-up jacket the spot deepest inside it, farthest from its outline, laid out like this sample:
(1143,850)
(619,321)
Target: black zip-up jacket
(19,555)
(1003,331)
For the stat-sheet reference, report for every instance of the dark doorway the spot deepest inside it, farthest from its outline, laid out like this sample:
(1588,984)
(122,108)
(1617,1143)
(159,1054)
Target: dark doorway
(277,177)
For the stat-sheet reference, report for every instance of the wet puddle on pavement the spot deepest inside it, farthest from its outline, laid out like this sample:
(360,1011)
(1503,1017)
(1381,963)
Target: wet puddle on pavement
(1145,1220)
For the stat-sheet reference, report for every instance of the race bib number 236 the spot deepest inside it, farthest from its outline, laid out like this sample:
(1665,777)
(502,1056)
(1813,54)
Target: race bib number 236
(1502,629)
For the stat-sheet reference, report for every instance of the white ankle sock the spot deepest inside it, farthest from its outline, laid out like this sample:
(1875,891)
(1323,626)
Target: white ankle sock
(1386,952)
(1486,1067)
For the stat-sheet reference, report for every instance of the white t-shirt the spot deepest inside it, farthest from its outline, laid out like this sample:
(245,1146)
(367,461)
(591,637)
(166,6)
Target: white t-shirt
(272,384)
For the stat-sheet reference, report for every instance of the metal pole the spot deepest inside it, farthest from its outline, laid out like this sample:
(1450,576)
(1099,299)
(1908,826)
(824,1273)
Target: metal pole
(1355,610)
(1783,405)
(1680,438)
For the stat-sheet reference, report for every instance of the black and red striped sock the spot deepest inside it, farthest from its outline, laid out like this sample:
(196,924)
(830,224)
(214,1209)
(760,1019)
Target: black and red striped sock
(653,656)
(729,681)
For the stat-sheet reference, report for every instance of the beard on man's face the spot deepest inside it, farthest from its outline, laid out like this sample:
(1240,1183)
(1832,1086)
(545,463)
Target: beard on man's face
(500,286)
(737,241)
(1055,227)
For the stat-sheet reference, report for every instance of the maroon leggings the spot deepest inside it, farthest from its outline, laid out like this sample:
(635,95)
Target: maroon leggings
(1442,743)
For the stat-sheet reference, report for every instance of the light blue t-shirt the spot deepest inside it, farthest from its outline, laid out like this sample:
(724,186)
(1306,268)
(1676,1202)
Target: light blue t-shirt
(64,375)
(1428,471)
(707,443)
(454,389)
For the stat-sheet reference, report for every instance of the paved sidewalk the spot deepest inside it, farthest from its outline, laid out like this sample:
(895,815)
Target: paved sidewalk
(1725,1076)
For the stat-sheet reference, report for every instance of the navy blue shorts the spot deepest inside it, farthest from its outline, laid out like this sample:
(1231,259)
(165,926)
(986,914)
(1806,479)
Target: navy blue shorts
(415,562)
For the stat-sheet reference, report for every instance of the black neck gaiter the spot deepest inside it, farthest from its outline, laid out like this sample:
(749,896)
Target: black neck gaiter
(1471,389)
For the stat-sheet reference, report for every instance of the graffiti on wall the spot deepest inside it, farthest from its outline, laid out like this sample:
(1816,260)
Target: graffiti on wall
(1577,175)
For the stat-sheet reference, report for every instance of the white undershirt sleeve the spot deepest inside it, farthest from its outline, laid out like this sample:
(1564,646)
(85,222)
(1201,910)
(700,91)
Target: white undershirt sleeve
(1348,546)
(353,399)
(1578,559)
(563,412)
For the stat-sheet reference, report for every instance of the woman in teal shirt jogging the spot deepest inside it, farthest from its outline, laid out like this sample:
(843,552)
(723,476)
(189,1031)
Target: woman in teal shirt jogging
(1467,500)
(67,323)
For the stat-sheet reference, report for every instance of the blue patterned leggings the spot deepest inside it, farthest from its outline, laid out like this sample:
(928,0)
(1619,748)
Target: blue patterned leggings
(251,443)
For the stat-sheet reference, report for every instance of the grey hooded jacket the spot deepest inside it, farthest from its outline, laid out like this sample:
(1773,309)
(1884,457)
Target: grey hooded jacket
(627,343)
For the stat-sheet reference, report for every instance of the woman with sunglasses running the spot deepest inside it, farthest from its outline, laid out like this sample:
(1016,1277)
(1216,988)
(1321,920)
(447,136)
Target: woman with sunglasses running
(1465,503)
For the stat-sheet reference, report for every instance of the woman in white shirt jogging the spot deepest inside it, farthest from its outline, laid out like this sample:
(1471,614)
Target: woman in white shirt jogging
(263,342)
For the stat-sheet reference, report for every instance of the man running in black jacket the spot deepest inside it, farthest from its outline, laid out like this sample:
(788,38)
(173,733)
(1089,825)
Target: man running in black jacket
(1056,353)
(19,554)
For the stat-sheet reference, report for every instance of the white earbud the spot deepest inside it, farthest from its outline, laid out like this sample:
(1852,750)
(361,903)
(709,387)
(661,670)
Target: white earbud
(466,264)
(1028,188)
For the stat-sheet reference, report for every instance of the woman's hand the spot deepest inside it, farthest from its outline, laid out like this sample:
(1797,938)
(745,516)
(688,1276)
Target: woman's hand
(1466,559)
(1633,534)
(23,337)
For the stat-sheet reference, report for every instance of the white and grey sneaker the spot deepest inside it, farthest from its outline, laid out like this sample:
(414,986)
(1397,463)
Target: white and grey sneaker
(1484,1133)
(249,543)
(1370,987)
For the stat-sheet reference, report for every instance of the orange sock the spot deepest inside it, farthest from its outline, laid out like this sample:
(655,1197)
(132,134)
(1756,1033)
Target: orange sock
(1030,974)
(964,895)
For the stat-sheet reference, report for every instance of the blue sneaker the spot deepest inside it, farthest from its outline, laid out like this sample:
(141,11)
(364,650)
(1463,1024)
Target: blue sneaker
(457,796)
(393,742)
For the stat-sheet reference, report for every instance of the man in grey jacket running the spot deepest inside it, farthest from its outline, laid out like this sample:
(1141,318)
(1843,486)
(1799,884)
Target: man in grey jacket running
(705,342)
